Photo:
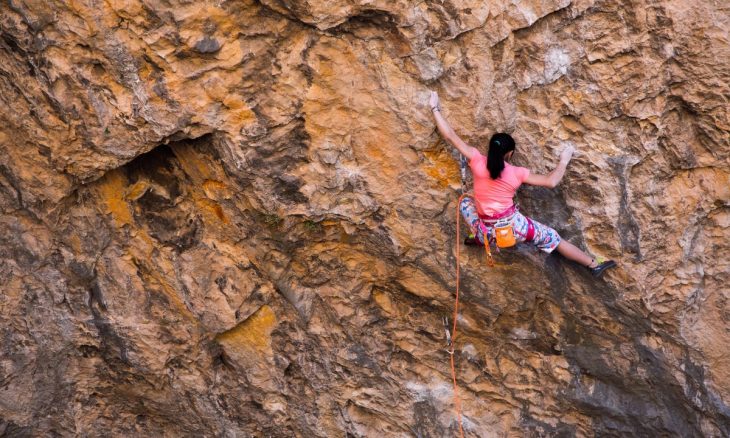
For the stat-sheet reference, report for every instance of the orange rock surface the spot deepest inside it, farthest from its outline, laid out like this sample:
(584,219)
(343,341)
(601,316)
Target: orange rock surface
(236,218)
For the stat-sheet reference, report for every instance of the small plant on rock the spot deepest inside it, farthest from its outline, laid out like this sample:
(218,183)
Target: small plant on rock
(272,220)
(313,226)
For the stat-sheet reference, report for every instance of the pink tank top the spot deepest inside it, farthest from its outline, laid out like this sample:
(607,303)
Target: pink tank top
(495,195)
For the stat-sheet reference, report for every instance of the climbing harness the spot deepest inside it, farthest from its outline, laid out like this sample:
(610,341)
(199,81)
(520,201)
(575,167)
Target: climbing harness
(502,226)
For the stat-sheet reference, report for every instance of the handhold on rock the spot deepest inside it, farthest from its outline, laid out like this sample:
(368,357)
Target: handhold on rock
(208,45)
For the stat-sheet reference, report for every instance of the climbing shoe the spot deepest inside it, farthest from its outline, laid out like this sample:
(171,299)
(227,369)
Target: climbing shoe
(601,267)
(471,241)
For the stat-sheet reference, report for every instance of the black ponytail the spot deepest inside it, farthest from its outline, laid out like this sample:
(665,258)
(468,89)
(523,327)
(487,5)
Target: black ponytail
(499,145)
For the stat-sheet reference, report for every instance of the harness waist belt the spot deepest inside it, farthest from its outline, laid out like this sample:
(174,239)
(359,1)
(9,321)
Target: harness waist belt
(502,215)
(507,214)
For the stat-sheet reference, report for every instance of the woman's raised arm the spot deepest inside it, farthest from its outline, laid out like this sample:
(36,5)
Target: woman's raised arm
(446,131)
(553,178)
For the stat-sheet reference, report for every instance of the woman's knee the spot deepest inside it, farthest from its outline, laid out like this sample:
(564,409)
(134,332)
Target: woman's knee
(468,209)
(466,204)
(546,238)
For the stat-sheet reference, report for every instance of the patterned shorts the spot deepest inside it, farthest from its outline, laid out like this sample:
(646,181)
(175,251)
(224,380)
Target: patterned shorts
(545,238)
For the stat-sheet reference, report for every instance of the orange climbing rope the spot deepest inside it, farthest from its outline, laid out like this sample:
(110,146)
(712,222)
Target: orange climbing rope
(457,401)
(490,262)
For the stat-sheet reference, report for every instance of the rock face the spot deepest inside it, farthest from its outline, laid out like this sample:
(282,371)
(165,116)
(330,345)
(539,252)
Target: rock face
(236,218)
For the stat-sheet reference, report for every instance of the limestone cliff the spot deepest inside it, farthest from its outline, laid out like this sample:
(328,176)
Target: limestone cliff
(236,218)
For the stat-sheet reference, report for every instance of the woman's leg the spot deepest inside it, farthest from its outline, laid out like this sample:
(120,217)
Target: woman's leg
(469,212)
(547,239)
(572,252)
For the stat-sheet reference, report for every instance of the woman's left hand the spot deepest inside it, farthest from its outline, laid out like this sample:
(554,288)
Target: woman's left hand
(434,100)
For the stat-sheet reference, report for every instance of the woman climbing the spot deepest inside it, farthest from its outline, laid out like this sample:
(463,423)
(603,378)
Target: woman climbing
(495,184)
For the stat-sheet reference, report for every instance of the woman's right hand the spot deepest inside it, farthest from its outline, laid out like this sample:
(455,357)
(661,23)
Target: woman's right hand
(434,100)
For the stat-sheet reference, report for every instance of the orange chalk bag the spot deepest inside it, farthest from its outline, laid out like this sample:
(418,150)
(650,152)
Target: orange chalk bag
(505,234)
